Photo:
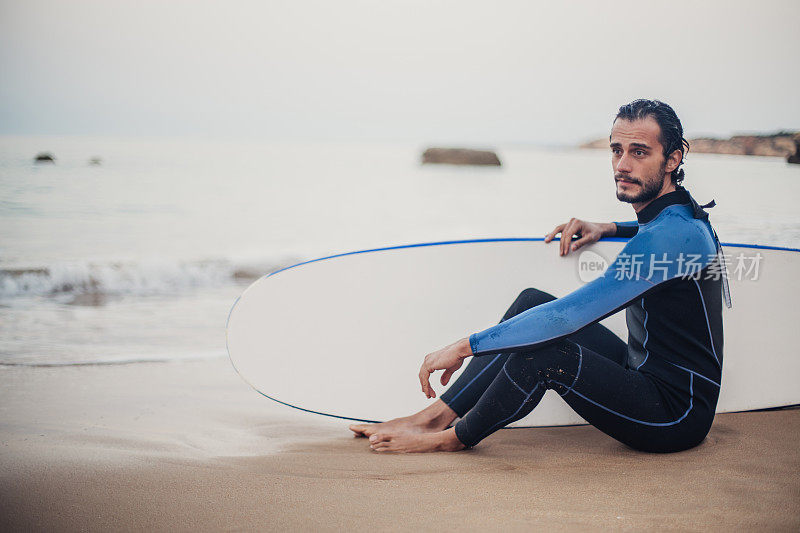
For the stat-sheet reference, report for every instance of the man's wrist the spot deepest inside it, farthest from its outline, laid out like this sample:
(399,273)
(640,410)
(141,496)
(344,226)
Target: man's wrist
(609,229)
(464,348)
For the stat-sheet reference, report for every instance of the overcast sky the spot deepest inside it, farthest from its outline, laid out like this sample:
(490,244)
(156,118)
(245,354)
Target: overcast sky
(480,72)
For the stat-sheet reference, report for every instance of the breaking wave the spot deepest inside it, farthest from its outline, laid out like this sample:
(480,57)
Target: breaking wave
(138,279)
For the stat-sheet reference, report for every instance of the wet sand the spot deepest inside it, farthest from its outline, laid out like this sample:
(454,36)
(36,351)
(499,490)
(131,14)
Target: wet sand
(183,446)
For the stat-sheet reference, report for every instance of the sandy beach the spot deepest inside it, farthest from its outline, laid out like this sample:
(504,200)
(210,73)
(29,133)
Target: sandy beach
(189,446)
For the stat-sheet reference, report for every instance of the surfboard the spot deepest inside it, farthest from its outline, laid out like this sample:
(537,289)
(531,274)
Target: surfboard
(345,335)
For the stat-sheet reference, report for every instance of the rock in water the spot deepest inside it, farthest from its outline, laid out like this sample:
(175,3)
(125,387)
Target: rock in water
(44,157)
(795,157)
(460,156)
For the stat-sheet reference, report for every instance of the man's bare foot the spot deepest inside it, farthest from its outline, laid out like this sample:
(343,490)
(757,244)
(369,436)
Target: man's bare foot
(433,418)
(442,441)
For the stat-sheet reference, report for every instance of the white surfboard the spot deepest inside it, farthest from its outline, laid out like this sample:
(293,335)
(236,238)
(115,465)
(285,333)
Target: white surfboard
(345,335)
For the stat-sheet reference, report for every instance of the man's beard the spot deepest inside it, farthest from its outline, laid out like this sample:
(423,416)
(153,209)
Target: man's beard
(650,188)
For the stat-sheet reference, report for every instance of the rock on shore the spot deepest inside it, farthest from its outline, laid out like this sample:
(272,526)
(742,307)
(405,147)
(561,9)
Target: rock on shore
(460,156)
(776,145)
(780,144)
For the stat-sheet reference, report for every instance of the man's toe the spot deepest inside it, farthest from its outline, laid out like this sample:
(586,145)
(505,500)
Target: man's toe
(379,437)
(358,429)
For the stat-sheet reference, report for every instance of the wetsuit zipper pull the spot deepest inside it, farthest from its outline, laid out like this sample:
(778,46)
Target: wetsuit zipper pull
(726,292)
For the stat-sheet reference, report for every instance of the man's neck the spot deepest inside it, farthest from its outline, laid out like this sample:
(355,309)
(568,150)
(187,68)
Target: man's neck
(667,188)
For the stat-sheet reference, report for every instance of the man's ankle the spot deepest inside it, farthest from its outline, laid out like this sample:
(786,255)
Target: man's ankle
(438,412)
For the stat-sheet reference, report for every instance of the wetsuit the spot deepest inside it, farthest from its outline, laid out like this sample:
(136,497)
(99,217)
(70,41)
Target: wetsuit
(656,393)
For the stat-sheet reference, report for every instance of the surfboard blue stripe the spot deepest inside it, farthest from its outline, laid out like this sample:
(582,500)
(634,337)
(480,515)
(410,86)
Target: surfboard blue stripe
(503,239)
(318,412)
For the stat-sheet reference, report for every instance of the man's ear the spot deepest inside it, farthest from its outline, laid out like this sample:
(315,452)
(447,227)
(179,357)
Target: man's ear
(673,160)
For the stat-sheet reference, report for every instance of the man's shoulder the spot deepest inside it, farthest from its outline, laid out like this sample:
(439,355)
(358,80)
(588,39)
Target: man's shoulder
(668,247)
(676,230)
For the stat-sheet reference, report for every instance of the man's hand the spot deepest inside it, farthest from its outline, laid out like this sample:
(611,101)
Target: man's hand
(589,232)
(450,358)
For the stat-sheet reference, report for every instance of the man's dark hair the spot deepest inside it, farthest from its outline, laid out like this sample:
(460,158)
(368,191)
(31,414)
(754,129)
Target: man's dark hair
(671,137)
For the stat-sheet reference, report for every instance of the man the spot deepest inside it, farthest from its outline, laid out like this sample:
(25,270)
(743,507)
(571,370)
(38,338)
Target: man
(659,392)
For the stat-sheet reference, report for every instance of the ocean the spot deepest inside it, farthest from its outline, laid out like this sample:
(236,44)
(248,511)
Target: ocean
(140,258)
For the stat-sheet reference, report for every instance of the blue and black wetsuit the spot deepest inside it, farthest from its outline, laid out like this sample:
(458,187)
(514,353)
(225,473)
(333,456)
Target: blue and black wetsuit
(656,393)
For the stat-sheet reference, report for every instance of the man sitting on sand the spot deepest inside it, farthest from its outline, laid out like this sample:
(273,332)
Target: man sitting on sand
(656,393)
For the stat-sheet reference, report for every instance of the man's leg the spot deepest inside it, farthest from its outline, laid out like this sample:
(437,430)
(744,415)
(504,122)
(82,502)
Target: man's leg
(626,404)
(623,403)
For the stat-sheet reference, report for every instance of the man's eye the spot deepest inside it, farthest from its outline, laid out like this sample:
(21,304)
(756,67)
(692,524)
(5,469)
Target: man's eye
(639,152)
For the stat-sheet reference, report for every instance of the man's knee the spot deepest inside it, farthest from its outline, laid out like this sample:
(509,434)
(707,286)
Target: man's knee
(526,300)
(554,366)
(533,297)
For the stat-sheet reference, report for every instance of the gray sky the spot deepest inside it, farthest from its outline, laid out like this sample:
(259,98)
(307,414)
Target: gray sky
(426,71)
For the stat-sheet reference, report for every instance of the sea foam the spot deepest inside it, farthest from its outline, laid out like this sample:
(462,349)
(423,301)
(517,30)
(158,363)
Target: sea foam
(140,278)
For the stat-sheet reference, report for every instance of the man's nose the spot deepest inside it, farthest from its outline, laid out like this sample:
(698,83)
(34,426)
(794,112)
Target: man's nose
(624,164)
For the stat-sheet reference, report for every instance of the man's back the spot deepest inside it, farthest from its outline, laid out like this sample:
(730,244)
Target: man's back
(677,326)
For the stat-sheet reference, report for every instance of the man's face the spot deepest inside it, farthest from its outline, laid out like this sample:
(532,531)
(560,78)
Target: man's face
(638,160)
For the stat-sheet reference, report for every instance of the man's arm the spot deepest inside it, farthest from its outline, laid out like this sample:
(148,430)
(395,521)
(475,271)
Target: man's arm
(657,255)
